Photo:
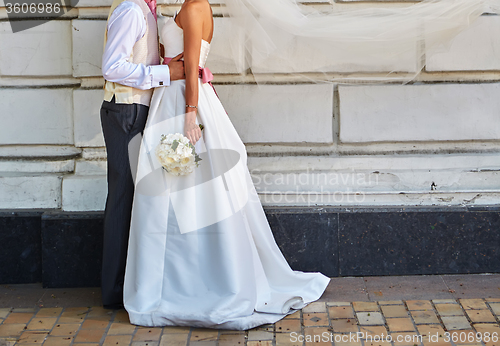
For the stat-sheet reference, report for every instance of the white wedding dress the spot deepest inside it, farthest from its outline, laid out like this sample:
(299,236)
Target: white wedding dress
(201,252)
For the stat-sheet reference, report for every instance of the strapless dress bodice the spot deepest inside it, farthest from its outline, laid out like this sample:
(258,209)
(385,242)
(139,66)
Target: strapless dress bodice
(172,37)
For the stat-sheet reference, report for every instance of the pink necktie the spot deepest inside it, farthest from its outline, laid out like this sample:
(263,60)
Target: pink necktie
(152,6)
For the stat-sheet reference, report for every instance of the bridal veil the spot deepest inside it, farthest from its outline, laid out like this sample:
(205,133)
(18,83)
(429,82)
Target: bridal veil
(347,36)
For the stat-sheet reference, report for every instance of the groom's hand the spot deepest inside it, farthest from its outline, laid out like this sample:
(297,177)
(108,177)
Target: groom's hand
(176,66)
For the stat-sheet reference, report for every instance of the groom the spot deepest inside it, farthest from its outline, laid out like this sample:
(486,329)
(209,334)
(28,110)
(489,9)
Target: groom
(130,69)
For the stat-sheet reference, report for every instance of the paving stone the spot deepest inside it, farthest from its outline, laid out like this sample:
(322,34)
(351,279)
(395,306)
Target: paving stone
(406,339)
(461,337)
(266,327)
(449,309)
(254,343)
(117,340)
(479,316)
(419,305)
(293,316)
(176,330)
(206,343)
(99,311)
(346,340)
(58,341)
(285,339)
(377,343)
(424,317)
(288,326)
(232,340)
(365,306)
(475,304)
(400,324)
(68,329)
(496,308)
(375,336)
(491,343)
(117,328)
(201,334)
(317,336)
(4,312)
(370,332)
(121,316)
(11,329)
(316,319)
(89,335)
(338,304)
(440,342)
(487,327)
(370,318)
(32,337)
(341,312)
(174,339)
(147,334)
(430,329)
(390,302)
(440,337)
(49,312)
(44,323)
(73,315)
(93,323)
(258,335)
(230,331)
(444,301)
(315,307)
(394,311)
(18,317)
(72,326)
(345,325)
(455,322)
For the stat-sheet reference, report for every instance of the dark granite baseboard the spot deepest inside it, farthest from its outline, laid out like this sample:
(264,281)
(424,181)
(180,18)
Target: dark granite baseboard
(20,247)
(64,249)
(72,249)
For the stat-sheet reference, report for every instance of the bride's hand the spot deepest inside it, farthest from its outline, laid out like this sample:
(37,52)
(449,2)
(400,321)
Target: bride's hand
(191,130)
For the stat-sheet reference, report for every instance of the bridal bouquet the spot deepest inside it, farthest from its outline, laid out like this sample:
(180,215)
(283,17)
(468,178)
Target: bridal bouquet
(176,154)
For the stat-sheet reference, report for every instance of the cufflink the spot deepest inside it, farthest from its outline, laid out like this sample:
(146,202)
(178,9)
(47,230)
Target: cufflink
(161,82)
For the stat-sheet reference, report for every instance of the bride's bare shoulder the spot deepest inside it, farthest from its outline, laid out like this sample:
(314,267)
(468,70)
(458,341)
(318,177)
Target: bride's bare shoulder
(196,7)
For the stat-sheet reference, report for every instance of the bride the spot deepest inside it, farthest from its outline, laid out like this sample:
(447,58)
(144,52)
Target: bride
(201,252)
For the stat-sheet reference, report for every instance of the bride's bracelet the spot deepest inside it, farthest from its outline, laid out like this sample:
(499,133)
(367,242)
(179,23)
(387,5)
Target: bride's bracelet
(191,106)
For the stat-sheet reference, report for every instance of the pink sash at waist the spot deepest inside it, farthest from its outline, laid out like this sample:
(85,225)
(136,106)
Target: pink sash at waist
(203,72)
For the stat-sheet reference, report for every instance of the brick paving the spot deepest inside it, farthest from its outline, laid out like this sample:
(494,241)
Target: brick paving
(438,322)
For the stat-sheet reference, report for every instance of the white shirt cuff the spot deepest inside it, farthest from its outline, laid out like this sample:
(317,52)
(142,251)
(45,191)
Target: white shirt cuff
(160,75)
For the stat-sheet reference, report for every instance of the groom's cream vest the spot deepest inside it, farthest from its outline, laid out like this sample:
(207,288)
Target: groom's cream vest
(145,51)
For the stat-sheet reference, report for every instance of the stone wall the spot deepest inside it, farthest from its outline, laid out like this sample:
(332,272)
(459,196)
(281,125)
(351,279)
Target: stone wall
(431,142)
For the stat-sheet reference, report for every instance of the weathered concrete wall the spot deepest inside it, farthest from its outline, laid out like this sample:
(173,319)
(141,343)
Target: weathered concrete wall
(434,141)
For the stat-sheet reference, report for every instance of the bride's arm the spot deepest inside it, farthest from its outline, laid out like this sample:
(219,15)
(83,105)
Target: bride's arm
(192,23)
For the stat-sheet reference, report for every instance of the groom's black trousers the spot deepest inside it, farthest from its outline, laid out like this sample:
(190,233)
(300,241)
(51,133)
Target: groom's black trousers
(120,123)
